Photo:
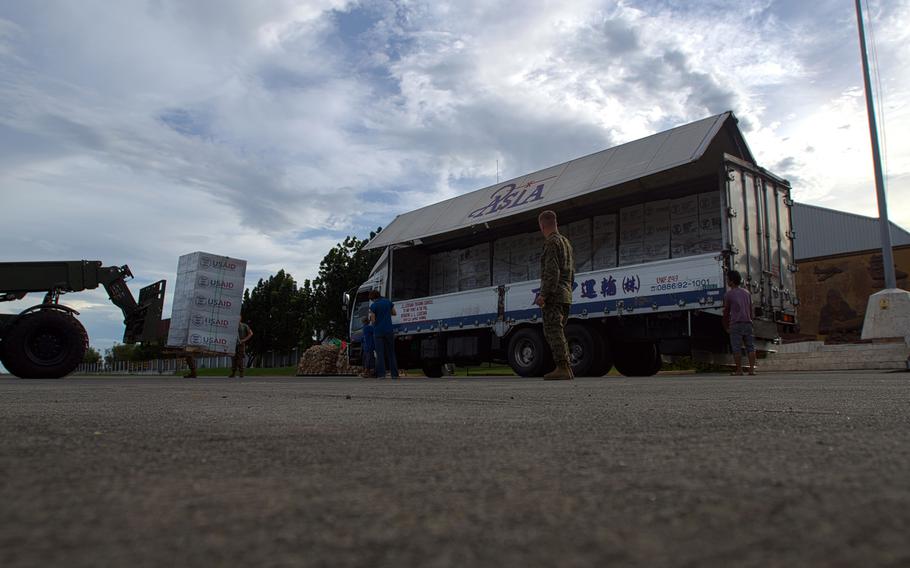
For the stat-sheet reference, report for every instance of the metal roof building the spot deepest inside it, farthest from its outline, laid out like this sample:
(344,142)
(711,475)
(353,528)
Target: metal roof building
(622,169)
(827,232)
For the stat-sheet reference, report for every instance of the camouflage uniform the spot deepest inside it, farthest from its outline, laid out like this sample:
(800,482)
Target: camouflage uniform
(239,359)
(557,273)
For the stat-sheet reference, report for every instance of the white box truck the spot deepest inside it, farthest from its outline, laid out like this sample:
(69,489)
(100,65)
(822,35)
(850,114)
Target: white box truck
(655,224)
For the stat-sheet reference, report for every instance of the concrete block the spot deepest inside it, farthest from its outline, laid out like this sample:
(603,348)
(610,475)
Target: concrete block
(887,314)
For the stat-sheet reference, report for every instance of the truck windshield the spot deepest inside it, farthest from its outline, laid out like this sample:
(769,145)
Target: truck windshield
(361,310)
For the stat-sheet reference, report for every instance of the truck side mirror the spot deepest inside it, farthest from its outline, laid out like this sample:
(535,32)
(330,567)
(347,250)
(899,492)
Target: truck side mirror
(346,300)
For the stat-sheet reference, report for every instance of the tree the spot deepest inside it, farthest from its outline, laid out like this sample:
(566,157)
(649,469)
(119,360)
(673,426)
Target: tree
(119,352)
(92,356)
(276,310)
(284,316)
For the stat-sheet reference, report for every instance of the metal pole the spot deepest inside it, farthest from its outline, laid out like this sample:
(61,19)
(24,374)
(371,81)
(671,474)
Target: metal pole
(884,224)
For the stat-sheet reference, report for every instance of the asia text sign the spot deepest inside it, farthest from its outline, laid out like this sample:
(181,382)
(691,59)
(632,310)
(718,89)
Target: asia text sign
(510,196)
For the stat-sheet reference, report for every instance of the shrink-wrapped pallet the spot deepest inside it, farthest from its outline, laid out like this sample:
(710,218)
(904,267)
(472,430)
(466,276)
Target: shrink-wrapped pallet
(208,296)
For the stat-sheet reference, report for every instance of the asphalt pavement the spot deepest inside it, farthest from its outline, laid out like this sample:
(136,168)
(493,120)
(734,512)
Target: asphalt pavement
(698,470)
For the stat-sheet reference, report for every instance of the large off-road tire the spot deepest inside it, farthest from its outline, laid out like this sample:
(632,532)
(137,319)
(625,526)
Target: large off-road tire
(46,344)
(528,353)
(586,350)
(638,359)
(432,369)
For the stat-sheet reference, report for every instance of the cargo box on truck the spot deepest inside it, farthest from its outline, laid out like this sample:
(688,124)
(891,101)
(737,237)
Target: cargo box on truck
(655,225)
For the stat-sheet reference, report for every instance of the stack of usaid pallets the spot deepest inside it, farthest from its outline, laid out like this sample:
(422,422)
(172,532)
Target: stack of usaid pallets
(207,300)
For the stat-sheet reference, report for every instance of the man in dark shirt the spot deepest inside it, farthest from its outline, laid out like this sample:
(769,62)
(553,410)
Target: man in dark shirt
(381,312)
(557,273)
(738,322)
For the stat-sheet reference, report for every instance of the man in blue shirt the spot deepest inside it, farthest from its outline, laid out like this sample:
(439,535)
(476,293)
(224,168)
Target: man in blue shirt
(381,312)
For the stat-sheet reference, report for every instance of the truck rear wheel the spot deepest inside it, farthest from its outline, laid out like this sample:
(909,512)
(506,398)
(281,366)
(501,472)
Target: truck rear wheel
(586,350)
(528,353)
(605,362)
(46,344)
(635,359)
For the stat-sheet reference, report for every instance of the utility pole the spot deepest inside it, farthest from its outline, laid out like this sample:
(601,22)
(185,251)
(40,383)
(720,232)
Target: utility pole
(884,224)
(887,311)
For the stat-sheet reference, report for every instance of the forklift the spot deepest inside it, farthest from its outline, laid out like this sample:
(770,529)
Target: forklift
(46,341)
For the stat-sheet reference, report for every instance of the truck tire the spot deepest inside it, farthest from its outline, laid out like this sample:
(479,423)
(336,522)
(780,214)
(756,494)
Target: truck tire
(586,350)
(528,353)
(432,369)
(638,359)
(605,364)
(46,344)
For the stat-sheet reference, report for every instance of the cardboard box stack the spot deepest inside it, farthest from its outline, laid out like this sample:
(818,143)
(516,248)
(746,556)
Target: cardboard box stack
(579,234)
(207,298)
(437,274)
(462,269)
(450,271)
(656,240)
(631,234)
(510,259)
(683,226)
(710,217)
(474,267)
(603,242)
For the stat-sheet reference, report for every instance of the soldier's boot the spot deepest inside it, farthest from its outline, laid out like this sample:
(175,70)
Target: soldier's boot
(560,373)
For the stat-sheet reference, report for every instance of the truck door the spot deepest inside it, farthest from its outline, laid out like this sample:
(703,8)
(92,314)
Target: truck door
(747,219)
(759,229)
(785,248)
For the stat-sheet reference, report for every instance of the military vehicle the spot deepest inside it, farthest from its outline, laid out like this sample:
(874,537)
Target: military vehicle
(46,341)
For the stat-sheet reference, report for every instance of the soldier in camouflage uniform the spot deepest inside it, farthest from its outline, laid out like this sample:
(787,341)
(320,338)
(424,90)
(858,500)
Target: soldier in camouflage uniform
(557,272)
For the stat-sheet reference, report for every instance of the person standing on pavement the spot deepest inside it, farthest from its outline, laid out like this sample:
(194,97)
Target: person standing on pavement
(244,333)
(738,322)
(557,273)
(368,345)
(381,312)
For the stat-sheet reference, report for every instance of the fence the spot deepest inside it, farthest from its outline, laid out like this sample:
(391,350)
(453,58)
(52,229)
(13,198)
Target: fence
(269,360)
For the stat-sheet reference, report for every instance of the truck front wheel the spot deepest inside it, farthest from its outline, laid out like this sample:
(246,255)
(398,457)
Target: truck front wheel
(46,344)
(528,353)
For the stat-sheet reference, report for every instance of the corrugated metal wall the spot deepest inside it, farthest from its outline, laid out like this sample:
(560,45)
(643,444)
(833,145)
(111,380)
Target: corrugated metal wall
(826,232)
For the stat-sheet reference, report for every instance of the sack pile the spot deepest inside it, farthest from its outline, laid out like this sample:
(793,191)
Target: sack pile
(326,360)
(343,365)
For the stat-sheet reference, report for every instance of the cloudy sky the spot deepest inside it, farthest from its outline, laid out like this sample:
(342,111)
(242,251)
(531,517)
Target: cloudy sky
(133,131)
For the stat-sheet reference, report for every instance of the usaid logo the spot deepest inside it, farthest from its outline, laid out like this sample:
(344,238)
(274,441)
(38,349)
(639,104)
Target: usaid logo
(223,304)
(200,320)
(197,339)
(208,262)
(206,282)
(511,196)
